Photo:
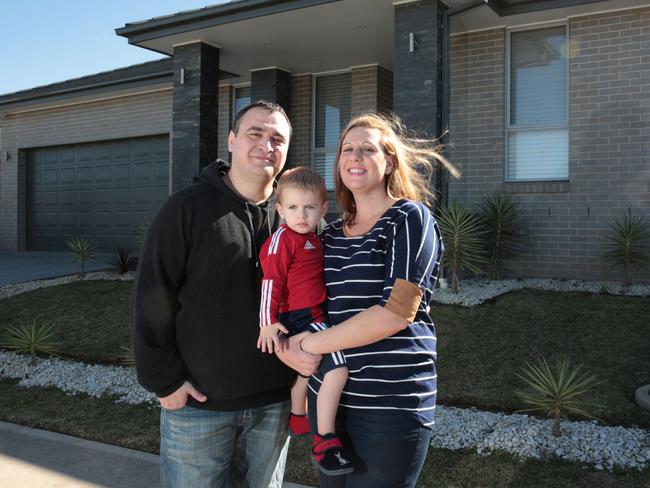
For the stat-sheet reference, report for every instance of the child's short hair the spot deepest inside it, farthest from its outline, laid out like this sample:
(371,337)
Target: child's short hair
(304,178)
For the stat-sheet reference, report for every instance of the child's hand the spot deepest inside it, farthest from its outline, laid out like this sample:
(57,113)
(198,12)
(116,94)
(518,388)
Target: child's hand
(270,336)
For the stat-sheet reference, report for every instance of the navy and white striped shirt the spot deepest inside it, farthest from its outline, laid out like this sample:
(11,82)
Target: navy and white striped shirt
(399,372)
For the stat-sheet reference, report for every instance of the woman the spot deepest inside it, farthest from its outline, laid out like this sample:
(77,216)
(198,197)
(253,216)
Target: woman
(381,265)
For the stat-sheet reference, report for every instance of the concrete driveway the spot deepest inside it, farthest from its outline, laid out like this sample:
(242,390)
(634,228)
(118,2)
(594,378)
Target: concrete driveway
(17,267)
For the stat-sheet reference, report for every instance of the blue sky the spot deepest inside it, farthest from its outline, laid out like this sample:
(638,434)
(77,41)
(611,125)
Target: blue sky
(45,41)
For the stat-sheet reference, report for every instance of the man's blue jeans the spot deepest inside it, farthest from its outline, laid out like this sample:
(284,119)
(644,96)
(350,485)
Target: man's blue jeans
(216,449)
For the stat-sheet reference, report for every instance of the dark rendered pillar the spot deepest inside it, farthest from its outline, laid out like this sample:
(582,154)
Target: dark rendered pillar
(417,76)
(195,111)
(273,85)
(417,89)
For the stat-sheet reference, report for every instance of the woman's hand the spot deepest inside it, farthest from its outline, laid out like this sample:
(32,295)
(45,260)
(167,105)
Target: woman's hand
(297,359)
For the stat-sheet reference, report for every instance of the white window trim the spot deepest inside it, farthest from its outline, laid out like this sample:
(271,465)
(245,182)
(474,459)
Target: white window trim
(233,98)
(314,78)
(509,128)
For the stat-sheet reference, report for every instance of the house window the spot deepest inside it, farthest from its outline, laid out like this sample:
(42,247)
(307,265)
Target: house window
(241,98)
(537,115)
(332,107)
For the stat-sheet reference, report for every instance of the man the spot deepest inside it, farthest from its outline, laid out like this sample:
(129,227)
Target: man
(195,318)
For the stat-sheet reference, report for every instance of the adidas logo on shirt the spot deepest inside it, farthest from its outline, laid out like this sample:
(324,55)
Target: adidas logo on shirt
(309,245)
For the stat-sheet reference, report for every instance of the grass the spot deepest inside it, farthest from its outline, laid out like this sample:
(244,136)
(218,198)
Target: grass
(479,350)
(136,427)
(91,318)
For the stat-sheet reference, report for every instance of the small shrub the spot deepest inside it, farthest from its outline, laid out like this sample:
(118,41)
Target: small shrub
(629,244)
(504,227)
(558,392)
(31,337)
(83,249)
(120,262)
(462,235)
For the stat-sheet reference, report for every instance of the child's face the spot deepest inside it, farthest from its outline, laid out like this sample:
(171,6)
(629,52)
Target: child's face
(301,209)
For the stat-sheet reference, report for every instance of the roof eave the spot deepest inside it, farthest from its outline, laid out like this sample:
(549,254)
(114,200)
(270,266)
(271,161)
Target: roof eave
(210,17)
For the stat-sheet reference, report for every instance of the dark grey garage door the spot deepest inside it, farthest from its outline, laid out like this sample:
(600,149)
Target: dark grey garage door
(100,191)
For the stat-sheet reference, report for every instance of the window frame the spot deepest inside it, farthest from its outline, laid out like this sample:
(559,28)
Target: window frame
(314,80)
(509,128)
(233,99)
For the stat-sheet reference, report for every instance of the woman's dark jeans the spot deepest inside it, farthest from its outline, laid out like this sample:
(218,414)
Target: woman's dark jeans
(387,449)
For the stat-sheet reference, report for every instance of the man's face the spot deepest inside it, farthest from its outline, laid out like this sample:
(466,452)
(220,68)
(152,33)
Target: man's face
(259,149)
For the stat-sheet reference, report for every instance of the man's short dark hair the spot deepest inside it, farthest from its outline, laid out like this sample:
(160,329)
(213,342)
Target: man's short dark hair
(266,105)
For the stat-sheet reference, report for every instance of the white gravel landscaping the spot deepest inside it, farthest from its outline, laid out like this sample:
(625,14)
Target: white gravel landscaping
(476,291)
(585,442)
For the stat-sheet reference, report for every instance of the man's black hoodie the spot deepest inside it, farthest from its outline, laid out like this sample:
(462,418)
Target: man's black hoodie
(196,298)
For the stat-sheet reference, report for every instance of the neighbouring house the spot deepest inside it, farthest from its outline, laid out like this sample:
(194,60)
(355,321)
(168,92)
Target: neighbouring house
(548,100)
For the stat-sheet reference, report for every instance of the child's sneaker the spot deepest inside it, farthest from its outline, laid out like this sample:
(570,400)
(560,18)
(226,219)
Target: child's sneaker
(327,453)
(298,425)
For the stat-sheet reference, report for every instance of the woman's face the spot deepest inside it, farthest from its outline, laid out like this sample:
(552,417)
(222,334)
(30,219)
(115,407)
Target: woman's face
(363,166)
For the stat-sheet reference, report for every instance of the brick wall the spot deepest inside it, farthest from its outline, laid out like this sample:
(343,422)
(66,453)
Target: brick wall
(609,166)
(115,118)
(372,90)
(301,120)
(225,114)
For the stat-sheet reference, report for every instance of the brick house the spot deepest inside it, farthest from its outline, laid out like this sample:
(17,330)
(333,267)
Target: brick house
(549,100)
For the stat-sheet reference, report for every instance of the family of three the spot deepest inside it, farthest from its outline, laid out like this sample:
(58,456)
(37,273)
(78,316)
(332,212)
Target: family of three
(342,313)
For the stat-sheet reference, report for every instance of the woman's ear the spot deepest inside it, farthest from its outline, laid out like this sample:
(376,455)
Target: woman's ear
(390,164)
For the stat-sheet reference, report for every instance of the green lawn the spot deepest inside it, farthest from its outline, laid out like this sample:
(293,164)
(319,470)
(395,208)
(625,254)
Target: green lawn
(479,350)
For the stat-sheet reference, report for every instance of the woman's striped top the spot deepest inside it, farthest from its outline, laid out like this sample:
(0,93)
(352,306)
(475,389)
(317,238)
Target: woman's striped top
(399,372)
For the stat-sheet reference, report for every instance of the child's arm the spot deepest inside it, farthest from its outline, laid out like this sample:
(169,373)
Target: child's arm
(269,337)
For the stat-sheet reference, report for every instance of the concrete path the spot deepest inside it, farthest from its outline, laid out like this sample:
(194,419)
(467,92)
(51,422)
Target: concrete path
(32,458)
(17,267)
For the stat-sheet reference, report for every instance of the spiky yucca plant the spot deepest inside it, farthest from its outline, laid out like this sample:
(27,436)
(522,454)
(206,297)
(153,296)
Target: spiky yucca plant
(629,244)
(504,230)
(462,235)
(558,391)
(83,249)
(31,337)
(120,261)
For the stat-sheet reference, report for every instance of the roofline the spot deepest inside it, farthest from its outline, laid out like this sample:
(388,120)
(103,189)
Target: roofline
(216,15)
(527,6)
(68,92)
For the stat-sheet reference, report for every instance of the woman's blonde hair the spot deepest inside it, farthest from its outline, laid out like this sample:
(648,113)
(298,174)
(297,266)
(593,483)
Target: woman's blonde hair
(413,162)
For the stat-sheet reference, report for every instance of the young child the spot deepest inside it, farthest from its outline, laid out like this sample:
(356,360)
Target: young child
(293,296)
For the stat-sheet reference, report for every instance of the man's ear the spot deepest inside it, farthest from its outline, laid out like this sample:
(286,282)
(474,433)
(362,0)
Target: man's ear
(323,209)
(231,140)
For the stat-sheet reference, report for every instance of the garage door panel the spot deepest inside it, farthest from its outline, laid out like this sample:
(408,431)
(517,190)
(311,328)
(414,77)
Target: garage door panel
(50,198)
(142,171)
(66,175)
(84,153)
(51,157)
(122,150)
(85,174)
(103,174)
(67,155)
(101,190)
(102,151)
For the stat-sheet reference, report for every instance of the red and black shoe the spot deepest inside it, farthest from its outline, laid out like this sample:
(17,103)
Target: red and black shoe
(298,425)
(327,454)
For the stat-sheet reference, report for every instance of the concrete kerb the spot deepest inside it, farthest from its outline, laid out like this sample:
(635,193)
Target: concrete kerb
(32,458)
